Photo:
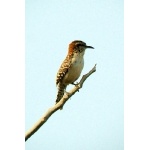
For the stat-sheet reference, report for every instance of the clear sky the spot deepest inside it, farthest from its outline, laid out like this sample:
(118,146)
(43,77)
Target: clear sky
(92,118)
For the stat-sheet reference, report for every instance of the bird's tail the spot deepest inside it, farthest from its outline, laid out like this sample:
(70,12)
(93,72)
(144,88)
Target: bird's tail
(61,90)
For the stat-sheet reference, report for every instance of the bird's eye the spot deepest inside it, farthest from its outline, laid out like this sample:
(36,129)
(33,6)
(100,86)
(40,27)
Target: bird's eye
(80,45)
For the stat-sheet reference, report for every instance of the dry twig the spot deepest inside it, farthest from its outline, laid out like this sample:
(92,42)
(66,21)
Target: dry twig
(56,107)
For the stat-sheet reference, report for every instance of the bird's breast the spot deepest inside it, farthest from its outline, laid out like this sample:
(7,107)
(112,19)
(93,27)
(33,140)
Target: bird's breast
(75,70)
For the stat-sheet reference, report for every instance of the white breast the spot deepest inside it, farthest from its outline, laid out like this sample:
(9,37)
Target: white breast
(75,69)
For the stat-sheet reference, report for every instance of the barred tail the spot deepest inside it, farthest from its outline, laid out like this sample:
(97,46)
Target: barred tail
(61,90)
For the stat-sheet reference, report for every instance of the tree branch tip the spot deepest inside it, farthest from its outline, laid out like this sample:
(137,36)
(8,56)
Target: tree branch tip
(95,66)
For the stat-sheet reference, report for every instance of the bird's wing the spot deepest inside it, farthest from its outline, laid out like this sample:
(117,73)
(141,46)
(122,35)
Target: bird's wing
(63,70)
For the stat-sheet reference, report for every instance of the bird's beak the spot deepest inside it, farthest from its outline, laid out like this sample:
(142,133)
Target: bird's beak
(89,47)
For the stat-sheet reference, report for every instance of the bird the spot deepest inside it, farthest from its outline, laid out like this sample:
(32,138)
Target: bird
(71,67)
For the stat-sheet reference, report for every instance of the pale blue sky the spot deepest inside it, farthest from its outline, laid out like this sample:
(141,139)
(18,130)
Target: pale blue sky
(93,118)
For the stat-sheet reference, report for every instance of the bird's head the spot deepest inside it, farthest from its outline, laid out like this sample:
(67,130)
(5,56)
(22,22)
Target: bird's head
(78,46)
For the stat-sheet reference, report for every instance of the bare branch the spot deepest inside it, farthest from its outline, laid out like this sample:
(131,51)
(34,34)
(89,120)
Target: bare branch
(56,107)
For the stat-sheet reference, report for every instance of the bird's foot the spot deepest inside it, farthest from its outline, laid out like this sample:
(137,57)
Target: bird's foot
(76,84)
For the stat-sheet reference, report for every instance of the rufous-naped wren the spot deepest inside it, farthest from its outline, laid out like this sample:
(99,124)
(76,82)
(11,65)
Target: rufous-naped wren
(71,67)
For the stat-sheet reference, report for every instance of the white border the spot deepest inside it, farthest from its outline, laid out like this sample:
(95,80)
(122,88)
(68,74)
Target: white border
(12,74)
(137,75)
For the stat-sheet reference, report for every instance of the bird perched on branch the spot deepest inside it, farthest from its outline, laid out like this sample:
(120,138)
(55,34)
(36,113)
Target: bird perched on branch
(71,67)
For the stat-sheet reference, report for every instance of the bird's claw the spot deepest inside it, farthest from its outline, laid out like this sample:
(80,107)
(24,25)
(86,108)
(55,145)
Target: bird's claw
(75,83)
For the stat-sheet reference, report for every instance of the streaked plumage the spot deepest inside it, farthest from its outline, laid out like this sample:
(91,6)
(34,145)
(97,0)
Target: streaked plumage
(71,67)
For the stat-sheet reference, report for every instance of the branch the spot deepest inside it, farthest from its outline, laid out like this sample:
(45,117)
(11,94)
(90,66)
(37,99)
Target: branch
(59,105)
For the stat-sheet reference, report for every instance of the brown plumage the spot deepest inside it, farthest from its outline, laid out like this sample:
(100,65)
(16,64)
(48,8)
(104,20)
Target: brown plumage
(71,67)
